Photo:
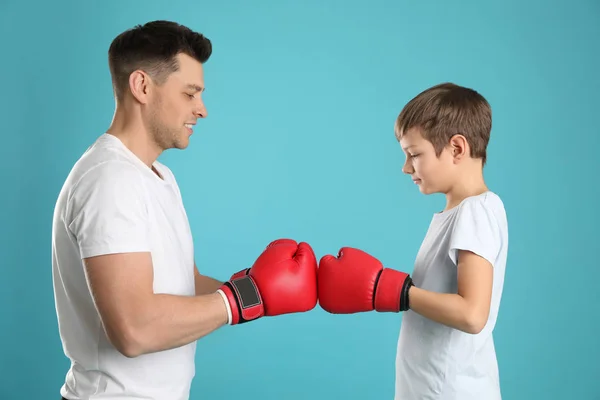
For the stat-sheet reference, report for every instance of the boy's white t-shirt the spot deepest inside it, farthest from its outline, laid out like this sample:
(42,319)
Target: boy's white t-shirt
(434,361)
(111,202)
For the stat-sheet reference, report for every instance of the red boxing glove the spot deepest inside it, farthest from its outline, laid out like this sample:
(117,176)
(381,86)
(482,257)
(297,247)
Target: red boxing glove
(357,282)
(283,280)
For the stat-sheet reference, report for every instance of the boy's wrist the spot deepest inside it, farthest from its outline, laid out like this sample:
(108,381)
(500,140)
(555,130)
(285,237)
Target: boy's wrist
(408,293)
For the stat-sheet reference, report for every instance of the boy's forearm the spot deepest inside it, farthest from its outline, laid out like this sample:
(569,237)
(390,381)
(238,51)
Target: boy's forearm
(448,309)
(171,321)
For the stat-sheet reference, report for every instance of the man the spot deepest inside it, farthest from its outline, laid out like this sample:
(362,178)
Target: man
(129,298)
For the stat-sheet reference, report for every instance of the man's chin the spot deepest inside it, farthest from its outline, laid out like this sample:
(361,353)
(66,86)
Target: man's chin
(181,142)
(179,146)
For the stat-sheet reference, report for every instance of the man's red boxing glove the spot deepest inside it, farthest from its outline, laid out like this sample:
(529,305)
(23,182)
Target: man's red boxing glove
(355,281)
(282,280)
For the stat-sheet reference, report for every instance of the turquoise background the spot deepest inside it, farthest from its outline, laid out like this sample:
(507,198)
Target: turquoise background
(299,142)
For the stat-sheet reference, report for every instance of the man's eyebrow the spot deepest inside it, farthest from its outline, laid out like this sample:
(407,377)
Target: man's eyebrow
(195,87)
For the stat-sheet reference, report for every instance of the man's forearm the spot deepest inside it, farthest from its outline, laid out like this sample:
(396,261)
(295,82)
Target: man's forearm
(170,321)
(206,284)
(449,309)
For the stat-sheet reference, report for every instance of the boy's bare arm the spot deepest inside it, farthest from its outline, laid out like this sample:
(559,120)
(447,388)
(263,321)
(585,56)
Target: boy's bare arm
(355,281)
(468,310)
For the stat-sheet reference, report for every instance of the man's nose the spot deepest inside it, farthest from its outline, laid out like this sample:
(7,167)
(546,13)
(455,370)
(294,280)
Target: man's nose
(200,110)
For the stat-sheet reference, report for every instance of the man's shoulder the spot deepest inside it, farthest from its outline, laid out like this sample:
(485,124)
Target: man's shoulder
(111,185)
(94,180)
(102,162)
(99,172)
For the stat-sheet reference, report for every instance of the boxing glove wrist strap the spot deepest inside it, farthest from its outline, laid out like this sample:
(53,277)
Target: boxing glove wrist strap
(227,306)
(391,291)
(405,299)
(244,299)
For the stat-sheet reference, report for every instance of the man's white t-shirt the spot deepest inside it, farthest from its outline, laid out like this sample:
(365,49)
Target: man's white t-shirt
(434,361)
(112,202)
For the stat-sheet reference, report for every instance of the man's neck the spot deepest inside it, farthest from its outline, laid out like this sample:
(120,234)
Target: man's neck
(135,137)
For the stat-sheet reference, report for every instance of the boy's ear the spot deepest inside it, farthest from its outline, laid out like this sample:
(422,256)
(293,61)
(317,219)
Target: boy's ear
(459,147)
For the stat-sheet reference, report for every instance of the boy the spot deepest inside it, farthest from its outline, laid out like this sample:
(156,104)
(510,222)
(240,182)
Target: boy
(445,347)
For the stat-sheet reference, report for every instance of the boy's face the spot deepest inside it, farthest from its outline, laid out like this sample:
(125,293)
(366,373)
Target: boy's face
(431,173)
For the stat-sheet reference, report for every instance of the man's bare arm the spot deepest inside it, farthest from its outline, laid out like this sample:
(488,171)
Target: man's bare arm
(136,320)
(205,284)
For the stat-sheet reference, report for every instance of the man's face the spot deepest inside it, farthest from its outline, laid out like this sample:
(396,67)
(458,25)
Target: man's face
(177,104)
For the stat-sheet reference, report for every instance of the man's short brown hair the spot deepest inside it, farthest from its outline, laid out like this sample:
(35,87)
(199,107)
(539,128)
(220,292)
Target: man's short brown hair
(153,47)
(445,110)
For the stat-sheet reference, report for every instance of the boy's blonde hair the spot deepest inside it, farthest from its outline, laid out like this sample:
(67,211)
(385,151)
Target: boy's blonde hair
(445,110)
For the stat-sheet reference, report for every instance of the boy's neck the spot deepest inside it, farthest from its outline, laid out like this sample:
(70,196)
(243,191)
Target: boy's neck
(469,183)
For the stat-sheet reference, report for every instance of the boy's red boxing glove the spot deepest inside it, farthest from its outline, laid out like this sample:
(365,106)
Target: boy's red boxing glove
(283,280)
(355,281)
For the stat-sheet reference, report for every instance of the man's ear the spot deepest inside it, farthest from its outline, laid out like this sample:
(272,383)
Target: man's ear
(139,85)
(459,147)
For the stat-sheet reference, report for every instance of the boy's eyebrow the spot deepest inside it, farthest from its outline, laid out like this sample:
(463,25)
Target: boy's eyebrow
(408,147)
(195,87)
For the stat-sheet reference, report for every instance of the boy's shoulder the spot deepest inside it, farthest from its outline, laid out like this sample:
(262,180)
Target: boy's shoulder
(488,199)
(479,225)
(484,208)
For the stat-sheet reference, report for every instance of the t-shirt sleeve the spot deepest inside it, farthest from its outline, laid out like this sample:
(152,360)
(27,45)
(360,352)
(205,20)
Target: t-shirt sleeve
(108,211)
(476,229)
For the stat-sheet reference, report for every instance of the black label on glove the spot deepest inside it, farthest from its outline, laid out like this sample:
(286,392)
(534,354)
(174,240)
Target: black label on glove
(247,292)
